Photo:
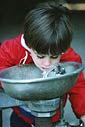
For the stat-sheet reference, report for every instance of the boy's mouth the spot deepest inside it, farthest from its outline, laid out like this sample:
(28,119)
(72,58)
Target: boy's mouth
(45,68)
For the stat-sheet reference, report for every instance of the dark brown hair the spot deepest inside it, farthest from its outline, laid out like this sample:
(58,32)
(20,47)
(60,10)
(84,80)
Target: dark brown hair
(47,28)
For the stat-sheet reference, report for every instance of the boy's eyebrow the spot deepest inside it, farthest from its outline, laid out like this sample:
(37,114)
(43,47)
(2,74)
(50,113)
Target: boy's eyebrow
(46,54)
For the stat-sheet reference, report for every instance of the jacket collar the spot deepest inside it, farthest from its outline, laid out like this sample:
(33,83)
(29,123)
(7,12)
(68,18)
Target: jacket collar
(24,44)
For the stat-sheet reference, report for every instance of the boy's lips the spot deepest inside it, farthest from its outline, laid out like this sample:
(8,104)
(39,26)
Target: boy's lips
(45,68)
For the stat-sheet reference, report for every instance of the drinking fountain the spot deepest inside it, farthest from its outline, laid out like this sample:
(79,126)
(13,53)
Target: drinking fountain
(42,90)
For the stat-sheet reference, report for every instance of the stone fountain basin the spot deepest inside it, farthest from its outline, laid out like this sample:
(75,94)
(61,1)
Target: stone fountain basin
(25,82)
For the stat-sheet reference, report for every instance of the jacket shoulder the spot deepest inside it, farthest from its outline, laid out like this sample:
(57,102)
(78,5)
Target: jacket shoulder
(12,41)
(71,56)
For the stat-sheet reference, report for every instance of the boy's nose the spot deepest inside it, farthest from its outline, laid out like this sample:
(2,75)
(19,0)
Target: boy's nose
(47,62)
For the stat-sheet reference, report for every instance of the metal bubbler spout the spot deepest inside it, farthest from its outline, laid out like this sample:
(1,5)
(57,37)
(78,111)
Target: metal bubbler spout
(54,70)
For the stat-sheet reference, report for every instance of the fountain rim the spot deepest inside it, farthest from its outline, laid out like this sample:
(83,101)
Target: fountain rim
(37,80)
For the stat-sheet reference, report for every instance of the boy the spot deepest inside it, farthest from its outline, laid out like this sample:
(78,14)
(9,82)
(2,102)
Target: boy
(46,40)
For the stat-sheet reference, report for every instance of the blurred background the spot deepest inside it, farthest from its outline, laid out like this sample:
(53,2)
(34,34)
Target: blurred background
(12,14)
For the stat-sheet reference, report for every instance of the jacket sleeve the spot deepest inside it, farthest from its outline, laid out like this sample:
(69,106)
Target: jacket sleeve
(77,92)
(4,56)
(8,54)
(77,96)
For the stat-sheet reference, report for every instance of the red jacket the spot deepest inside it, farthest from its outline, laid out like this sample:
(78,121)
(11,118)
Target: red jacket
(13,53)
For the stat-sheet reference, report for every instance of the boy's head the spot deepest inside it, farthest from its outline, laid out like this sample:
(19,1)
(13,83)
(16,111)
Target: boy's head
(47,29)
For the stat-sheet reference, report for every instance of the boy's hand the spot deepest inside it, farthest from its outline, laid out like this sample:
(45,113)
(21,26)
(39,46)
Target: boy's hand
(83,119)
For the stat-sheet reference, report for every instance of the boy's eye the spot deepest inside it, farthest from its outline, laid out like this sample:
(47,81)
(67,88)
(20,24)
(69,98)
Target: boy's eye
(40,57)
(54,57)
